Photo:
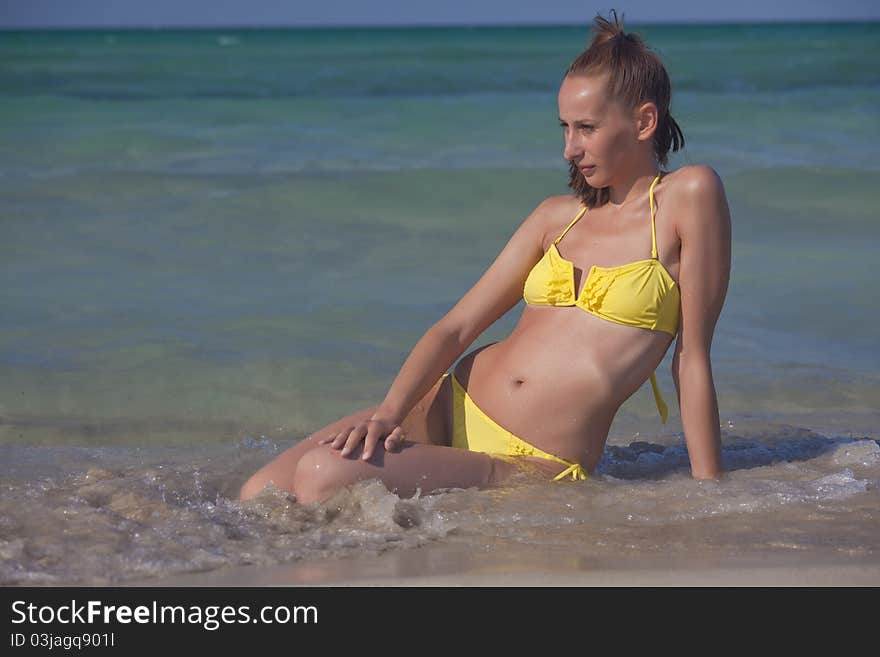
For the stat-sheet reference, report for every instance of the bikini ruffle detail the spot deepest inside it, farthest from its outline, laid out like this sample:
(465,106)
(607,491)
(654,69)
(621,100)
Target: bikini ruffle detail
(559,290)
(596,289)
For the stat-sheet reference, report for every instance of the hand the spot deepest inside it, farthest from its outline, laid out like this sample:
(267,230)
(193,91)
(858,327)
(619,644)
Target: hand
(368,431)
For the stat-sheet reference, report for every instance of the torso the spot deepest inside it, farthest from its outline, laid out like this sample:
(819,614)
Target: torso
(558,380)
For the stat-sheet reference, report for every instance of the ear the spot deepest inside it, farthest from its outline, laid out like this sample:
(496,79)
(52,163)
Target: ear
(646,116)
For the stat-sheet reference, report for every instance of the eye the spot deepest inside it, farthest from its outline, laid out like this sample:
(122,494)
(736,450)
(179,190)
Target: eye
(586,127)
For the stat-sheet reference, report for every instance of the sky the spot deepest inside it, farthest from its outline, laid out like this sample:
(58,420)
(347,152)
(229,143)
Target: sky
(253,13)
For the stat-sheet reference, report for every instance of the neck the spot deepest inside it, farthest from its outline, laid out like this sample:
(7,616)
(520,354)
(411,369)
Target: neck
(633,186)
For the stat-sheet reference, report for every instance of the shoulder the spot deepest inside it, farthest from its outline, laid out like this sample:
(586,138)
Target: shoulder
(555,212)
(694,180)
(702,182)
(697,194)
(559,210)
(558,207)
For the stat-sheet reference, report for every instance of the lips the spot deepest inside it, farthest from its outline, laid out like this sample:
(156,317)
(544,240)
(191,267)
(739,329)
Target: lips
(588,169)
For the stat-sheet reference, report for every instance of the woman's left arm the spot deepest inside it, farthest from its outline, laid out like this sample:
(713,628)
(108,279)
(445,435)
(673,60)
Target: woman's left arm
(703,225)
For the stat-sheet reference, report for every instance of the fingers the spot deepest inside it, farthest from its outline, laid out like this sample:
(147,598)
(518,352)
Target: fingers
(395,439)
(374,433)
(370,433)
(349,438)
(336,440)
(354,438)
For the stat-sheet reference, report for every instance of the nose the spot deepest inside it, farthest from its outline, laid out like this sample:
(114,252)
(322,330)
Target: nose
(572,149)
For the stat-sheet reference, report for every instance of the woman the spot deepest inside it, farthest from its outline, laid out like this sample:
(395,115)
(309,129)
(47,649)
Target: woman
(611,275)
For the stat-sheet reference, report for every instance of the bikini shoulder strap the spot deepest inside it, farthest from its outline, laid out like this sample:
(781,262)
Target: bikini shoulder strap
(573,222)
(653,229)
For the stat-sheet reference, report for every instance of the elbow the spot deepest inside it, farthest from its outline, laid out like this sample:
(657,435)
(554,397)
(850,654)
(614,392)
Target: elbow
(453,331)
(696,364)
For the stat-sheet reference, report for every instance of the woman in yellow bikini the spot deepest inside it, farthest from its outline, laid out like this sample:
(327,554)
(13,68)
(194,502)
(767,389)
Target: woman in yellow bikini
(611,275)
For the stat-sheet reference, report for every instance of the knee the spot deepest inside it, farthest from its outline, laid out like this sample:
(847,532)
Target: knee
(254,486)
(276,473)
(279,472)
(320,473)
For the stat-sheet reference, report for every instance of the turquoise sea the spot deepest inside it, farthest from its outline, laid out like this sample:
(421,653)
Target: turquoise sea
(213,242)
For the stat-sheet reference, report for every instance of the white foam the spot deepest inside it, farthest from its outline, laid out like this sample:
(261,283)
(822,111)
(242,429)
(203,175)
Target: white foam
(839,486)
(859,452)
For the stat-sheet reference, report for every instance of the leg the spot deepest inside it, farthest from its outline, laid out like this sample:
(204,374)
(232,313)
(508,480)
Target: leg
(279,472)
(322,471)
(426,423)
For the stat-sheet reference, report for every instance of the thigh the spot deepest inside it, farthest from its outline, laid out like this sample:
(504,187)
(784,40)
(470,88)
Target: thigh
(416,467)
(280,470)
(430,420)
(426,423)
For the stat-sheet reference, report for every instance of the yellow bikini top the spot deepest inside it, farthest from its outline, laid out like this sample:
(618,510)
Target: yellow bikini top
(640,293)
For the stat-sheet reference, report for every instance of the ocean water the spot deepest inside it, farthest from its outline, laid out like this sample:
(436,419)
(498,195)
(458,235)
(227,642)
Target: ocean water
(216,242)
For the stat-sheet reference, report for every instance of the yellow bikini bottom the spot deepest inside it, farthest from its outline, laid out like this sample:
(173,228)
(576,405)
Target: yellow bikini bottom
(475,431)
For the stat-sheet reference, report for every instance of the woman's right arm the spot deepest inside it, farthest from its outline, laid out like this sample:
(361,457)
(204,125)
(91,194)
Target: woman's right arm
(496,292)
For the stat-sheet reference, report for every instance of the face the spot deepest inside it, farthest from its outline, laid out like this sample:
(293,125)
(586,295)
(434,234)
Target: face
(598,132)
